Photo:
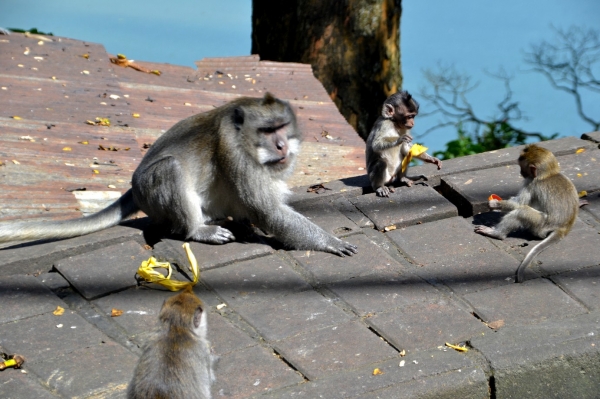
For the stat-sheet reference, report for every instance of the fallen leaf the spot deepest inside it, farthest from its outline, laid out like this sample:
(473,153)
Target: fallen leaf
(111,186)
(377,372)
(86,56)
(17,118)
(58,311)
(389,228)
(582,194)
(135,115)
(96,171)
(579,151)
(579,175)
(402,353)
(468,182)
(496,324)
(116,312)
(221,306)
(16,162)
(84,142)
(67,149)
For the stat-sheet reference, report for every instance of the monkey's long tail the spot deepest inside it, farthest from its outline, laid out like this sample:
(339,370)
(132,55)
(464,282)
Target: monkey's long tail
(108,217)
(552,238)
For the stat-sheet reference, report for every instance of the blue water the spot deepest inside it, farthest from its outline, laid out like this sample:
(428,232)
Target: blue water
(472,35)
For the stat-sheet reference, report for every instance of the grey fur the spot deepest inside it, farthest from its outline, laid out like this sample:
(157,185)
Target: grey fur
(177,362)
(390,141)
(230,161)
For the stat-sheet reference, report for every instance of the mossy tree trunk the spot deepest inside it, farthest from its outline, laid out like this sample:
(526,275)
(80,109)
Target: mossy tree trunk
(352,45)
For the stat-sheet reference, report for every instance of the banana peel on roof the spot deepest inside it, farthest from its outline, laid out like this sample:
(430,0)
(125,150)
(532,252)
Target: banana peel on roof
(121,60)
(415,151)
(148,272)
(14,361)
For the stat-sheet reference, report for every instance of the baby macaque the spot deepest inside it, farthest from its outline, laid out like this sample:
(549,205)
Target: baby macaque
(177,362)
(547,205)
(389,143)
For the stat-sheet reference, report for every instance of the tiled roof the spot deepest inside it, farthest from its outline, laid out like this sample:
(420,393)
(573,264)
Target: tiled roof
(51,86)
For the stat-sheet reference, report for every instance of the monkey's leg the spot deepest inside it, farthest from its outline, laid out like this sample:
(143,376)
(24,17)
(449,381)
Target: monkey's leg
(522,217)
(163,193)
(380,176)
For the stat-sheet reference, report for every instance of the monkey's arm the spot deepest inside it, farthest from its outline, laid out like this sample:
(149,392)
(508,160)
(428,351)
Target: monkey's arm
(297,232)
(385,141)
(429,159)
(522,199)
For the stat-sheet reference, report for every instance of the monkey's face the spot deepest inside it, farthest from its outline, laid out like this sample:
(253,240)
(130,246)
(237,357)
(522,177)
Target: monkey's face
(408,120)
(270,130)
(404,116)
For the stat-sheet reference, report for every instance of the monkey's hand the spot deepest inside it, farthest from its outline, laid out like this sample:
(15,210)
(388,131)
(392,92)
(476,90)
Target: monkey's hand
(494,205)
(341,248)
(488,231)
(407,138)
(437,162)
(212,235)
(384,191)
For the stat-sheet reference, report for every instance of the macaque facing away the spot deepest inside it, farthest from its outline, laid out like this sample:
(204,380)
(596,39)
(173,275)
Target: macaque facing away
(177,362)
(547,205)
(389,143)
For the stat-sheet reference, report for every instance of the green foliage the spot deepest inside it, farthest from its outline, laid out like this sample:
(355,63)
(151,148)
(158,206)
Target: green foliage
(495,135)
(32,30)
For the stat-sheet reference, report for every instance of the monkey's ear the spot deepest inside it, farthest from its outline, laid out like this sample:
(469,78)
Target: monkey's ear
(238,118)
(387,111)
(533,170)
(268,99)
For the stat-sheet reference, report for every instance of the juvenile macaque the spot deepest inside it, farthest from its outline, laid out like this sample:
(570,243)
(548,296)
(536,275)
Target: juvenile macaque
(177,362)
(547,205)
(229,162)
(389,143)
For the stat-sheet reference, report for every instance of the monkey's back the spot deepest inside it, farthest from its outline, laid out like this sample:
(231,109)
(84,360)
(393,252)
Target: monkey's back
(559,195)
(174,366)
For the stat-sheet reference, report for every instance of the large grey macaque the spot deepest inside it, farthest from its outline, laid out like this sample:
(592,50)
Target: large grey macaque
(229,162)
(177,362)
(389,143)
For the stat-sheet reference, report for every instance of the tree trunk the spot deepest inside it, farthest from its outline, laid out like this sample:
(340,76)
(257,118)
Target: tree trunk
(352,45)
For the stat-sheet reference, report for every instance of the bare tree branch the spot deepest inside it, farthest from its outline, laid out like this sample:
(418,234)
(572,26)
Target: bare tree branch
(447,95)
(570,64)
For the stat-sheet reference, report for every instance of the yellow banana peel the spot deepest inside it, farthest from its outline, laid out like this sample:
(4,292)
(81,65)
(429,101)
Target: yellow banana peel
(147,271)
(415,151)
(457,348)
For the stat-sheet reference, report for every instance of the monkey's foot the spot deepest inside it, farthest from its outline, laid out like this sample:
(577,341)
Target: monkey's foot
(341,248)
(409,180)
(488,231)
(384,191)
(212,235)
